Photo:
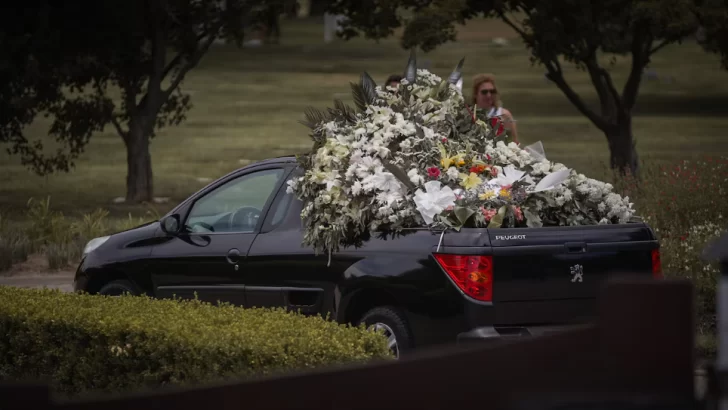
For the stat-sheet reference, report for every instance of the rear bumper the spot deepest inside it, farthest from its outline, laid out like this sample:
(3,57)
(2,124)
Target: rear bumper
(490,333)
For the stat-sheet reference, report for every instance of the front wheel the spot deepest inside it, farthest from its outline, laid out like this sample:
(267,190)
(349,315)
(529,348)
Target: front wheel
(118,288)
(393,324)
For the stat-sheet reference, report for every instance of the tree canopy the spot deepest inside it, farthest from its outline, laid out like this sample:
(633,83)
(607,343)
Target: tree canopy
(713,16)
(577,32)
(89,64)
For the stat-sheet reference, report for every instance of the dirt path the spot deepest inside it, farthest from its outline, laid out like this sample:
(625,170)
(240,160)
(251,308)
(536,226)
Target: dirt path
(34,273)
(61,280)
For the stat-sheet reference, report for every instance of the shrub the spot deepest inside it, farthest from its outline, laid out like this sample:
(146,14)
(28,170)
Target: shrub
(6,256)
(685,204)
(86,343)
(46,225)
(14,246)
(58,255)
(91,225)
(128,223)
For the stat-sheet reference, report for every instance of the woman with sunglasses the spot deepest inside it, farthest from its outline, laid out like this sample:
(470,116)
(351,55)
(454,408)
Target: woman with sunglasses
(485,96)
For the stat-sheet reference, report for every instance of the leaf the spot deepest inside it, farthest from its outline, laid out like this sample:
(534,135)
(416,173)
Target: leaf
(360,99)
(399,174)
(364,92)
(443,151)
(532,219)
(437,91)
(410,73)
(456,77)
(463,214)
(497,220)
(313,117)
(342,112)
(369,86)
(420,132)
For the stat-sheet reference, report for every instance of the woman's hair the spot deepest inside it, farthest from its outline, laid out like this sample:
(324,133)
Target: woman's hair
(394,78)
(481,79)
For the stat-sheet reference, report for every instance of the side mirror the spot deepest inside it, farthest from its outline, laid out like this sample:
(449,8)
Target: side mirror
(171,224)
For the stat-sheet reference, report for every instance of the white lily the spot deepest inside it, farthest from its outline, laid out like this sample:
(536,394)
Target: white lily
(551,180)
(435,200)
(509,176)
(382,181)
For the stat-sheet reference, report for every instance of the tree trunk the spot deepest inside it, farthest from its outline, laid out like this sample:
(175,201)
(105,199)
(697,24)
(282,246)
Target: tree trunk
(622,151)
(139,166)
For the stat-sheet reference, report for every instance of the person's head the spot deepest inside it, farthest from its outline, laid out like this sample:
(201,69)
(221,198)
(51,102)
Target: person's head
(393,80)
(485,93)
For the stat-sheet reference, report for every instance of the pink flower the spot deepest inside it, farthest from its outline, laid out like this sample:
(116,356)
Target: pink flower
(450,208)
(444,140)
(518,212)
(488,213)
(433,172)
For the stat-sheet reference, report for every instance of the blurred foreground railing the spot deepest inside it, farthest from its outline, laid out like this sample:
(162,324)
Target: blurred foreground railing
(718,389)
(639,354)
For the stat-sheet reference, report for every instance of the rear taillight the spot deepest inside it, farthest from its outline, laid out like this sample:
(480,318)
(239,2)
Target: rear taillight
(656,264)
(472,274)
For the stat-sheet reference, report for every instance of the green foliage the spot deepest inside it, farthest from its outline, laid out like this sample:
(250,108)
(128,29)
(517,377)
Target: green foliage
(713,16)
(684,203)
(46,225)
(128,223)
(94,64)
(59,238)
(60,254)
(14,246)
(92,225)
(575,31)
(87,343)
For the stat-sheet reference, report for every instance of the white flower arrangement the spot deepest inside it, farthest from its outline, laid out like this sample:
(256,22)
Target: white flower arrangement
(418,156)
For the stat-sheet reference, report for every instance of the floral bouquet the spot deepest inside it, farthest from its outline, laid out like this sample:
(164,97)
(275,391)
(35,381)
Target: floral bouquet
(419,156)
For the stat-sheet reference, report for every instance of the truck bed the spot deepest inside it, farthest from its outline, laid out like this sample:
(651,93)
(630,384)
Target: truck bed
(551,275)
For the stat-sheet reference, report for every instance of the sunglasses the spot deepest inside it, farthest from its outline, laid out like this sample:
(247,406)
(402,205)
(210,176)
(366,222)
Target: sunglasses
(486,92)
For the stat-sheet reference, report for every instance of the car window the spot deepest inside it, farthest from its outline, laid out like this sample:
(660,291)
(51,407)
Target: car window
(234,206)
(281,209)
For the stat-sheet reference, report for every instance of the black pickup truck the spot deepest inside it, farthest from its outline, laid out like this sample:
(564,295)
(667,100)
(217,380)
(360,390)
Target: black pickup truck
(239,240)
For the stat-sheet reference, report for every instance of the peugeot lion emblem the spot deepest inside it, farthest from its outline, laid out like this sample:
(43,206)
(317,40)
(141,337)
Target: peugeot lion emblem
(577,273)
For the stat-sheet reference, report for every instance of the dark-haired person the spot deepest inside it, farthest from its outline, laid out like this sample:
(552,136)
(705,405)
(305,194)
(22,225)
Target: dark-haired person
(393,81)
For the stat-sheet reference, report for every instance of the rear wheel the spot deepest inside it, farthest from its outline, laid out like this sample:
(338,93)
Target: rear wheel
(118,288)
(393,324)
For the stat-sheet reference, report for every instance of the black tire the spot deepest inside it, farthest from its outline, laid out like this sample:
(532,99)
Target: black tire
(119,287)
(390,318)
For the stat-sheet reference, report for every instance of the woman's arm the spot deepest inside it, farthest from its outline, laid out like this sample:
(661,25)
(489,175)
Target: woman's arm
(510,125)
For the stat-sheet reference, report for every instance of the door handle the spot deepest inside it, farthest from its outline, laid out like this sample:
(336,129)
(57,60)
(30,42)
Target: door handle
(575,247)
(233,256)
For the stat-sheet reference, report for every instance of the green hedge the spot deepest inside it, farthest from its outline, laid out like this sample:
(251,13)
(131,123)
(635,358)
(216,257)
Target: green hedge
(84,342)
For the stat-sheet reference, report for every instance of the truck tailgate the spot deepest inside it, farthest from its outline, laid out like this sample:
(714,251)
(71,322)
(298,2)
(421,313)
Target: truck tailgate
(566,263)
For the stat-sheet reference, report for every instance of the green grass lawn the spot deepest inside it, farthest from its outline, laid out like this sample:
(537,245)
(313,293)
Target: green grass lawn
(247,103)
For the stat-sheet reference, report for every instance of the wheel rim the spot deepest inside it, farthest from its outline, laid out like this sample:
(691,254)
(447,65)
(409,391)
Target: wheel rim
(389,334)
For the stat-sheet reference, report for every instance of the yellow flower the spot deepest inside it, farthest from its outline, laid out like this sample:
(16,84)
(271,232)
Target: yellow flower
(504,193)
(454,160)
(486,195)
(470,181)
(446,160)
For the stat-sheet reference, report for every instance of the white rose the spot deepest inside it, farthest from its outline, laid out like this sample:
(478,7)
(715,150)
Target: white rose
(453,174)
(415,176)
